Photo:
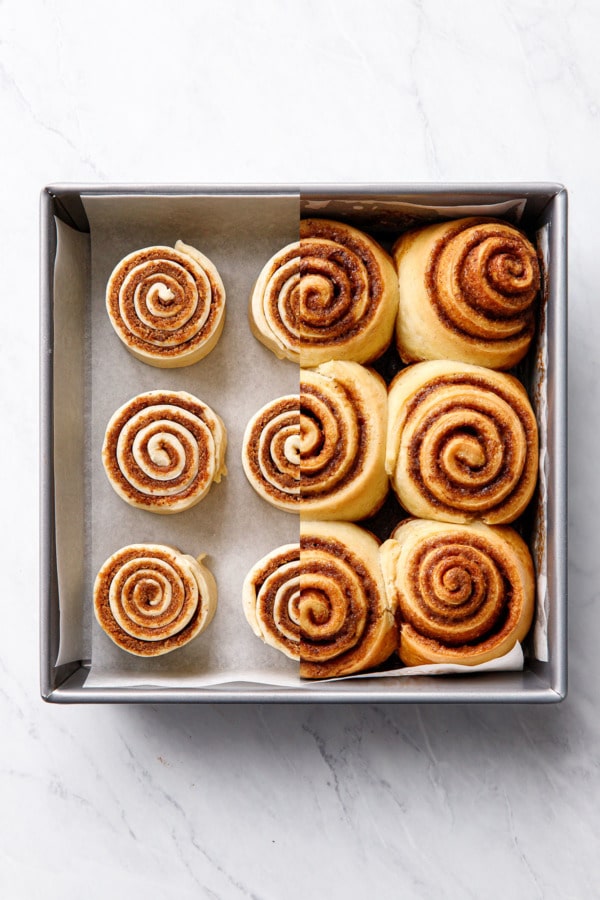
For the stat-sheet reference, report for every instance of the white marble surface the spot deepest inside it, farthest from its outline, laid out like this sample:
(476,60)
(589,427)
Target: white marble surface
(295,802)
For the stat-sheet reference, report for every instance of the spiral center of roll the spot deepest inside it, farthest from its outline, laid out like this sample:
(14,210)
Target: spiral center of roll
(466,455)
(323,607)
(292,449)
(165,451)
(151,599)
(455,581)
(311,437)
(314,608)
(316,295)
(456,590)
(159,296)
(499,275)
(148,594)
(463,454)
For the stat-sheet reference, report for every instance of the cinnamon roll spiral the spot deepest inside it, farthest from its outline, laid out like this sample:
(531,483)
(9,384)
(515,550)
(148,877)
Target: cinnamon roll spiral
(163,450)
(323,602)
(462,443)
(465,593)
(167,305)
(467,292)
(151,599)
(332,295)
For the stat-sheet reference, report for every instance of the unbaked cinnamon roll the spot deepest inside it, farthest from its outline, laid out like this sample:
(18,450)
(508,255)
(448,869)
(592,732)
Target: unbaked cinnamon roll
(465,593)
(167,305)
(163,450)
(332,295)
(151,599)
(462,443)
(323,602)
(467,292)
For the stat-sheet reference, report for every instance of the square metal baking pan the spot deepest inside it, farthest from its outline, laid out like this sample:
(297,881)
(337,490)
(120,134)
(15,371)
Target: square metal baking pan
(545,207)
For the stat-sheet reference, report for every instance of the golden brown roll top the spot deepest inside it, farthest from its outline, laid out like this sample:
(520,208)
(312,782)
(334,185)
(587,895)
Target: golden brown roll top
(151,599)
(322,453)
(332,295)
(163,450)
(462,443)
(323,602)
(465,593)
(467,292)
(167,304)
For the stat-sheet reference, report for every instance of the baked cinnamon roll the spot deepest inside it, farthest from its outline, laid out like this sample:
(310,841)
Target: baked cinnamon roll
(163,450)
(151,599)
(465,593)
(323,602)
(467,292)
(462,443)
(332,295)
(167,305)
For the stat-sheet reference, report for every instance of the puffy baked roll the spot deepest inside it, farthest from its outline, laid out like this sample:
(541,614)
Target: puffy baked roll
(271,452)
(332,295)
(323,602)
(167,305)
(151,599)
(465,593)
(163,450)
(462,443)
(467,292)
